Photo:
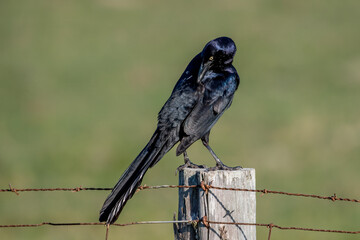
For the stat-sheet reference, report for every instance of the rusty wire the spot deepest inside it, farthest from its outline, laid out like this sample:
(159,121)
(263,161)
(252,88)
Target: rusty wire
(207,223)
(333,198)
(92,224)
(76,189)
(204,186)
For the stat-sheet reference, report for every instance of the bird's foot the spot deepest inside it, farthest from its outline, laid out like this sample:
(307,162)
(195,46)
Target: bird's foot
(189,164)
(221,166)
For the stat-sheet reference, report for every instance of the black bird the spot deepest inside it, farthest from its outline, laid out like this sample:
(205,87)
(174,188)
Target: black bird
(202,94)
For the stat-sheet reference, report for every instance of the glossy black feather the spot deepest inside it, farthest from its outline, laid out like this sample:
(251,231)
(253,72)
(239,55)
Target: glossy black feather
(201,95)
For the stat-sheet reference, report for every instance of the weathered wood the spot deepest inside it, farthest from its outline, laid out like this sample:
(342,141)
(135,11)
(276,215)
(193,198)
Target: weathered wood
(217,205)
(188,203)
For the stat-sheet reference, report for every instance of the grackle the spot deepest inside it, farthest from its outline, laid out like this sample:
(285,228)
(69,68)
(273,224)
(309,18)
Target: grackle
(201,95)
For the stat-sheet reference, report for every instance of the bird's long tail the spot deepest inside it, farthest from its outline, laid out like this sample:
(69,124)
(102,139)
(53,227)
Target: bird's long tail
(132,177)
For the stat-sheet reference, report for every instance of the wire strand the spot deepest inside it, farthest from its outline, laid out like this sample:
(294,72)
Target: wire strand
(203,220)
(205,187)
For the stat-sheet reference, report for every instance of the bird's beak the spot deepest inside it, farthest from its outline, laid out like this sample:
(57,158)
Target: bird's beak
(203,69)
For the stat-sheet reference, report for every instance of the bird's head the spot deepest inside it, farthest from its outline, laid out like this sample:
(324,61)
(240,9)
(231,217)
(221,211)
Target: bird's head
(218,52)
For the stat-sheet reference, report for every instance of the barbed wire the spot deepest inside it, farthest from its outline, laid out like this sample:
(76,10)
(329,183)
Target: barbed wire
(92,224)
(204,220)
(205,187)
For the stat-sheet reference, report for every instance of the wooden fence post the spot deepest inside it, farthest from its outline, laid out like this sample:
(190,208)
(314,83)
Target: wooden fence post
(216,205)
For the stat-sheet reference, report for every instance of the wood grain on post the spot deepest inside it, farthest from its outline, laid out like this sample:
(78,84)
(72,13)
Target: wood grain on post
(217,205)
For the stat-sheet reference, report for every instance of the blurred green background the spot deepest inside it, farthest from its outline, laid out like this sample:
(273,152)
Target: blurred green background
(81,83)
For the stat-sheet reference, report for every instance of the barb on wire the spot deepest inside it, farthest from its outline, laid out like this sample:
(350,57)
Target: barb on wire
(204,186)
(204,220)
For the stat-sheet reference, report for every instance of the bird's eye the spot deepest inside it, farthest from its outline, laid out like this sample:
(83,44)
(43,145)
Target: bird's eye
(211,58)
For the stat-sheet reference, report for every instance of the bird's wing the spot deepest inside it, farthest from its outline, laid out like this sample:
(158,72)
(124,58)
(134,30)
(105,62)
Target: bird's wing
(217,97)
(182,100)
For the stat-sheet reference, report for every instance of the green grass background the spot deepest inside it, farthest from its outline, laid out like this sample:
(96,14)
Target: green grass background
(81,83)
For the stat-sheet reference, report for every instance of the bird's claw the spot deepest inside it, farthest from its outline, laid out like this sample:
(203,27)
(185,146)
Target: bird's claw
(189,164)
(224,167)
